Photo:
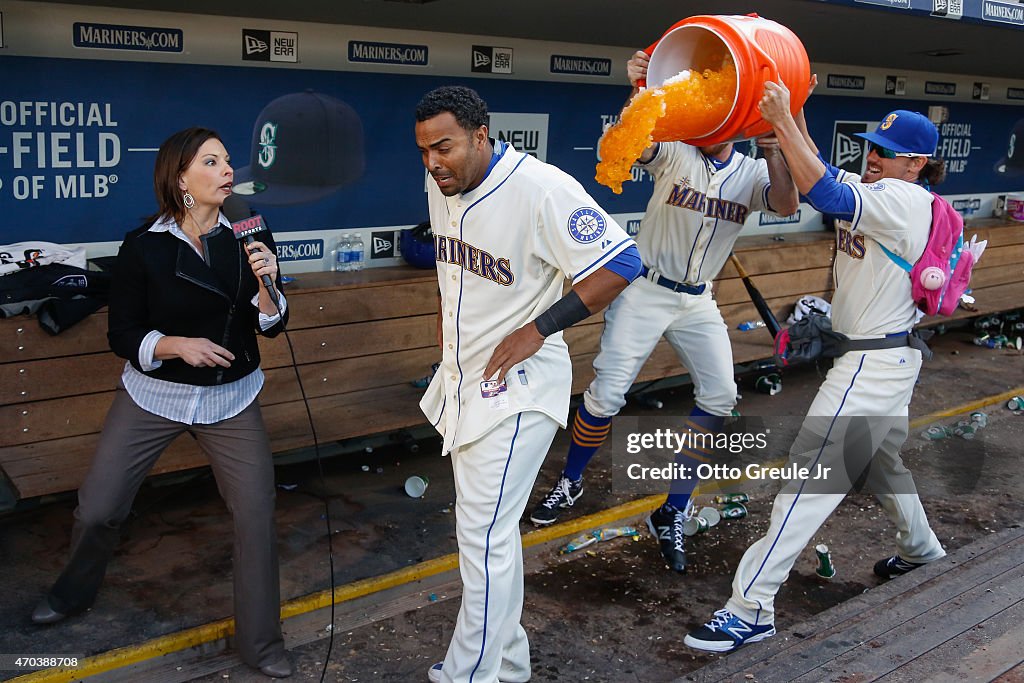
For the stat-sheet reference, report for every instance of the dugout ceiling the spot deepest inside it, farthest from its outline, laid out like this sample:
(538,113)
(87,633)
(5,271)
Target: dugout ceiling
(905,34)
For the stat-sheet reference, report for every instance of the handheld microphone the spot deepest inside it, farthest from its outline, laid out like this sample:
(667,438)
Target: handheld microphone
(244,230)
(245,224)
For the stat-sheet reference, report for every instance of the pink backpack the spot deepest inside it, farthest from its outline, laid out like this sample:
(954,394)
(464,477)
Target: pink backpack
(943,272)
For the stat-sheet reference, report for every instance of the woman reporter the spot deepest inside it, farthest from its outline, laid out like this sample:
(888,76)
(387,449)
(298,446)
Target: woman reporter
(185,307)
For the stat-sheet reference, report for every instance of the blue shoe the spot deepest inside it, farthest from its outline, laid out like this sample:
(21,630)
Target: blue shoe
(726,632)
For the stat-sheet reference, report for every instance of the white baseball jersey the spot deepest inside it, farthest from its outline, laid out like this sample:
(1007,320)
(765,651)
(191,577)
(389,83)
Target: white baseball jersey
(873,294)
(504,250)
(696,211)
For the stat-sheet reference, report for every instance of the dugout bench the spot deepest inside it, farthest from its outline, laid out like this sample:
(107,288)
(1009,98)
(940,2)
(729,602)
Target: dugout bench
(360,339)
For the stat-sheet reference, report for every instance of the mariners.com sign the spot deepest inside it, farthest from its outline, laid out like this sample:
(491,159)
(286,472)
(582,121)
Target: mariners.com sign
(114,37)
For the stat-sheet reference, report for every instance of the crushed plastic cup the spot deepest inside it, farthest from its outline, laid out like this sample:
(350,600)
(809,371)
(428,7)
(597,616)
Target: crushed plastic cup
(979,419)
(712,515)
(965,429)
(733,511)
(936,432)
(825,569)
(597,535)
(769,384)
(416,486)
(695,525)
(732,498)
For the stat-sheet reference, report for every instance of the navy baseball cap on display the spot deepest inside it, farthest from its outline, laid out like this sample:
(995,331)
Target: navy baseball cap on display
(305,146)
(905,132)
(1013,162)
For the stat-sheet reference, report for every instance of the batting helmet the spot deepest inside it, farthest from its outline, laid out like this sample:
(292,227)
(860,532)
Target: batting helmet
(417,246)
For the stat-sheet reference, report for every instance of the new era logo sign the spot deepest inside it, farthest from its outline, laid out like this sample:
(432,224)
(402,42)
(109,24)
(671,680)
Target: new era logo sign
(269,46)
(491,60)
(848,150)
(254,45)
(382,245)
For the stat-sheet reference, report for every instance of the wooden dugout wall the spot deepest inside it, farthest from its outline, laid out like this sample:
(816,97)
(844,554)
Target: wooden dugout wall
(360,339)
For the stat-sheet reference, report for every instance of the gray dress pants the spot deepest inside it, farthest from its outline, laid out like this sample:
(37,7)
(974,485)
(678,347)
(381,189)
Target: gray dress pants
(239,453)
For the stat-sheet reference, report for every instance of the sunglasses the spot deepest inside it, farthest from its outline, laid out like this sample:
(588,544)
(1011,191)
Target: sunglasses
(890,154)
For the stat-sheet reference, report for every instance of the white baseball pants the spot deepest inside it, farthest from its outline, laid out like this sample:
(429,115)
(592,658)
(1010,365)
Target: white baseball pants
(865,396)
(633,324)
(494,477)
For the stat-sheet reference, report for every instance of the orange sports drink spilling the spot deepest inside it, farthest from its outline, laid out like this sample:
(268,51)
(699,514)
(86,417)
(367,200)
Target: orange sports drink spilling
(706,76)
(699,102)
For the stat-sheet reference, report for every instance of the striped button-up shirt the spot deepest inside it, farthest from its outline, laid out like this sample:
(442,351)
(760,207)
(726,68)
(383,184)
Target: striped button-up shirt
(189,403)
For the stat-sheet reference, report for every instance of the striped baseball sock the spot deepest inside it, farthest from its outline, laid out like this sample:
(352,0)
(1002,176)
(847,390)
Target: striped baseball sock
(588,433)
(699,422)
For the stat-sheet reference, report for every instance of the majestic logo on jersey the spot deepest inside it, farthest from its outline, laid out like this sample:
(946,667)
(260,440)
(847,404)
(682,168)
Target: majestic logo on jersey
(850,244)
(268,145)
(889,120)
(686,197)
(586,225)
(476,261)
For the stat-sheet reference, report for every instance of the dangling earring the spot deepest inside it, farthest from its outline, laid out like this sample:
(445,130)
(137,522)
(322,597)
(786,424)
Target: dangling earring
(189,200)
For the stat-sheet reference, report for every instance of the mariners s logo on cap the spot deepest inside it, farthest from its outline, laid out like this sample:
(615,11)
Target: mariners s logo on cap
(268,150)
(889,120)
(586,225)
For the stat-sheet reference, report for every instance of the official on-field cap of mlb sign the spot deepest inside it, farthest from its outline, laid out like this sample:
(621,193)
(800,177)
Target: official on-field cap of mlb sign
(1013,163)
(305,146)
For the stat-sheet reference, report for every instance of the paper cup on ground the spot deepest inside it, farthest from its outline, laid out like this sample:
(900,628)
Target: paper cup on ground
(416,486)
(710,514)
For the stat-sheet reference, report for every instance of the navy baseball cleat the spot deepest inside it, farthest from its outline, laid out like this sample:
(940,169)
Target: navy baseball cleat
(894,566)
(666,523)
(726,632)
(562,495)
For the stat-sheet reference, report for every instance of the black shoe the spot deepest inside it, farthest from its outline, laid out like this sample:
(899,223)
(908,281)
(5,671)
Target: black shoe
(666,523)
(44,614)
(282,668)
(894,566)
(562,495)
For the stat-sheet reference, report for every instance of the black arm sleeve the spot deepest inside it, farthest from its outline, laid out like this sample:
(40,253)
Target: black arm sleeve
(564,313)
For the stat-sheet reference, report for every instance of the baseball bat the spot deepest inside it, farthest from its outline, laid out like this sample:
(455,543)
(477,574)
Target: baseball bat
(759,303)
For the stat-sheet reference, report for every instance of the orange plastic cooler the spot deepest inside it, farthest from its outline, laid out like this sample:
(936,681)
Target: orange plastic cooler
(761,50)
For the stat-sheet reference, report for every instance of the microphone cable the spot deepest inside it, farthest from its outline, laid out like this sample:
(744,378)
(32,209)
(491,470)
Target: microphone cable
(325,498)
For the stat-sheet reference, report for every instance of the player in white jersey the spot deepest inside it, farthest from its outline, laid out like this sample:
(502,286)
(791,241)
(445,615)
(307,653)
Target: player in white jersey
(858,420)
(509,229)
(700,200)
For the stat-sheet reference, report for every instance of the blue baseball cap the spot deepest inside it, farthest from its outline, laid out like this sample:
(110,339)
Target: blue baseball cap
(305,146)
(906,132)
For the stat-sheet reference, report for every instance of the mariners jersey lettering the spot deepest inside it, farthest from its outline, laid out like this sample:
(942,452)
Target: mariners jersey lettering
(686,197)
(696,211)
(477,261)
(873,294)
(503,253)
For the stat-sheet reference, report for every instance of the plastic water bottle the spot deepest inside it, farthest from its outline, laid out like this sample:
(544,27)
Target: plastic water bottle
(355,261)
(341,254)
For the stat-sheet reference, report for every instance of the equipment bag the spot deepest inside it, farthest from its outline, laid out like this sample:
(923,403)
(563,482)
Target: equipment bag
(812,337)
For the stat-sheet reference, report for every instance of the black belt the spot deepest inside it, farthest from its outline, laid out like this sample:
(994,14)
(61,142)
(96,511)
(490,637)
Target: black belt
(890,341)
(672,284)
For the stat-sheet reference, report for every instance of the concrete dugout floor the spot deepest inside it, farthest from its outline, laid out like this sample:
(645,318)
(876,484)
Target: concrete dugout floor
(611,614)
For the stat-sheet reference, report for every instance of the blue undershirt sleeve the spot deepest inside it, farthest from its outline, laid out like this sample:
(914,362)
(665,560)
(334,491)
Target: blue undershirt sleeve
(626,263)
(833,198)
